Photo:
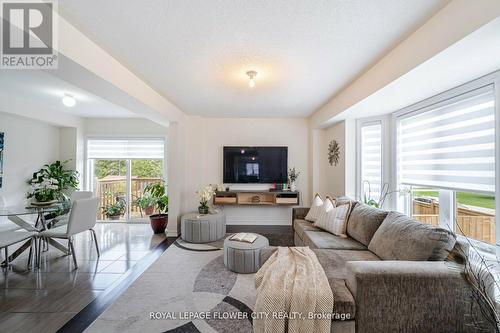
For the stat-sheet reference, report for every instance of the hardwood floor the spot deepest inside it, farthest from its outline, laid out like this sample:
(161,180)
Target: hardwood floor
(45,299)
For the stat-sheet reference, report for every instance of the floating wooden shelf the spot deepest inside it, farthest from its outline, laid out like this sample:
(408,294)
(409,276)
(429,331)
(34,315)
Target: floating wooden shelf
(257,198)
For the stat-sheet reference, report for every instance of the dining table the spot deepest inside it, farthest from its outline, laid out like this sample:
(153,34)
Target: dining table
(24,217)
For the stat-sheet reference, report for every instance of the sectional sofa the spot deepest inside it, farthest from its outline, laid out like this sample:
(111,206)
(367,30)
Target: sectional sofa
(392,273)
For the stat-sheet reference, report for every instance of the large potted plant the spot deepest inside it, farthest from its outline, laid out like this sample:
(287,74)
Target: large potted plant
(147,204)
(158,192)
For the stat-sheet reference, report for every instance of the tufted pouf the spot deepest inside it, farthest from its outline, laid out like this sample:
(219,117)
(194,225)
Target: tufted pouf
(196,228)
(241,257)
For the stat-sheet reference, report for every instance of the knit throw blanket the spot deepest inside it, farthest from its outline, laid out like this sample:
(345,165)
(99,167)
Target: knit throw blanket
(293,294)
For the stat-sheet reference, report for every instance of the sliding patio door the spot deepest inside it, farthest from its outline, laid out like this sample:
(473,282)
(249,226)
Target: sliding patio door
(118,171)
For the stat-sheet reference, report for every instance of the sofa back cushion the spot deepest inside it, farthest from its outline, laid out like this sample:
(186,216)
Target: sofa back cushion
(364,222)
(402,238)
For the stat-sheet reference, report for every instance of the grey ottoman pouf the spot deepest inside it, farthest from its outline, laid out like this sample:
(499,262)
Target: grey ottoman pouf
(197,228)
(241,257)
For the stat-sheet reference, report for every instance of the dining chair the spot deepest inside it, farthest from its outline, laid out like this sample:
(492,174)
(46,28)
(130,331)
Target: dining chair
(77,195)
(82,217)
(11,237)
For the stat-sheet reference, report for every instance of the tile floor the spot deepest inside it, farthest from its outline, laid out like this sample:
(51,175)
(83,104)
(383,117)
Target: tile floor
(44,299)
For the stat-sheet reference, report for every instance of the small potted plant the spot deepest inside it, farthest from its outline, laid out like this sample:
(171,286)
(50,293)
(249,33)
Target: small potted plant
(293,175)
(158,192)
(147,204)
(205,195)
(114,211)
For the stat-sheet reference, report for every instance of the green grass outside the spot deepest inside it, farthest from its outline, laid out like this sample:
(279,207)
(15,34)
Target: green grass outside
(464,198)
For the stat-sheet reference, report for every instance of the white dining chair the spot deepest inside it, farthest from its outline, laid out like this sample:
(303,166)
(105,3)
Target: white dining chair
(82,217)
(75,196)
(11,237)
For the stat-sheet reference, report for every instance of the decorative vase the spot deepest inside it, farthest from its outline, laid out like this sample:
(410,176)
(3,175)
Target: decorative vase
(293,187)
(203,210)
(158,222)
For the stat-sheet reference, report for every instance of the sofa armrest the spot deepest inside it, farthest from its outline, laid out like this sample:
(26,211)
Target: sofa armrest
(412,296)
(299,213)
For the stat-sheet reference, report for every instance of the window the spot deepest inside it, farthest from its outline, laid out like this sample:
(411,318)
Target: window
(118,170)
(371,161)
(446,154)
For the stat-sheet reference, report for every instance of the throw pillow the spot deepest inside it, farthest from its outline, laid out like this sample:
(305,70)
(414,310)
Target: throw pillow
(312,214)
(335,220)
(328,205)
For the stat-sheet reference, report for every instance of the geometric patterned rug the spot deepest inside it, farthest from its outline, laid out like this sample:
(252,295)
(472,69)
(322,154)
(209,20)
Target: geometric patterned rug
(187,289)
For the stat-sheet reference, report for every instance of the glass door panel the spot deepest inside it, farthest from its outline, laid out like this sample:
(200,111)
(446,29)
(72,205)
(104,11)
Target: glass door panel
(110,185)
(143,173)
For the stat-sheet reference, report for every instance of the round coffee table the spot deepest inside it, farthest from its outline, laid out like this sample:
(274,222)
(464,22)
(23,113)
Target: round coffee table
(241,257)
(196,228)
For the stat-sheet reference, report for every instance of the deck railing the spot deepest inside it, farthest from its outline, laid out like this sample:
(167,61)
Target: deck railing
(472,223)
(111,190)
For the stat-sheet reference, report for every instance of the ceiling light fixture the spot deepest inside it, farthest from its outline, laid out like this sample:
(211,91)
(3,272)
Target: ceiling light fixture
(251,76)
(69,100)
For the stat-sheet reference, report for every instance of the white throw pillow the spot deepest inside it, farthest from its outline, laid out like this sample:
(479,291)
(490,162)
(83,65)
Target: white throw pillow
(335,220)
(327,206)
(313,213)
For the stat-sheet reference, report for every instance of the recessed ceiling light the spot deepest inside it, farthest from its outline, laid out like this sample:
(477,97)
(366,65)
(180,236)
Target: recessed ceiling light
(251,76)
(69,100)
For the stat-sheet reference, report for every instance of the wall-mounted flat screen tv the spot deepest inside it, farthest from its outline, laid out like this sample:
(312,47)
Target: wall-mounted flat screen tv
(255,165)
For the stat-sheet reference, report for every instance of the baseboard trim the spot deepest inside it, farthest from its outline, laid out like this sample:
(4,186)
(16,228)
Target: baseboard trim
(261,229)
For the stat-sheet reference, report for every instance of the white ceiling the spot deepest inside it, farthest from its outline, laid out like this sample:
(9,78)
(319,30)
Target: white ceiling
(45,90)
(196,53)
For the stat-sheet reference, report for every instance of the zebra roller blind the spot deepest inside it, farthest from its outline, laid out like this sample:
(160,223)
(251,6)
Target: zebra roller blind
(125,148)
(371,159)
(450,145)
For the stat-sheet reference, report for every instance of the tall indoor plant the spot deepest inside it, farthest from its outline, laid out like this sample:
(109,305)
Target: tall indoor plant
(158,191)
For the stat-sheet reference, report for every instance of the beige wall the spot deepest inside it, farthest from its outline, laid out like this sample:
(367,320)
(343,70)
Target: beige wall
(205,138)
(340,179)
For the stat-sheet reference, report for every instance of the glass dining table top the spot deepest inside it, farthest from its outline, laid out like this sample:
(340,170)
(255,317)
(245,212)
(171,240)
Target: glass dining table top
(32,210)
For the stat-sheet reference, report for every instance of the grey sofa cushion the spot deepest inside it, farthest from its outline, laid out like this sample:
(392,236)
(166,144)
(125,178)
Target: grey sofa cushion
(334,265)
(364,222)
(299,226)
(402,238)
(325,240)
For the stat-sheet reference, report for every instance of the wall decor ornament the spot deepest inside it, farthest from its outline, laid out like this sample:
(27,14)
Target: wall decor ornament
(333,152)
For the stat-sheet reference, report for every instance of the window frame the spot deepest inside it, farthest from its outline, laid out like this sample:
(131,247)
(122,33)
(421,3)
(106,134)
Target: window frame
(360,123)
(443,98)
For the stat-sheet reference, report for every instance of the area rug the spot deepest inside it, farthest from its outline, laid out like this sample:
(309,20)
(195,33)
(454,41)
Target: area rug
(188,289)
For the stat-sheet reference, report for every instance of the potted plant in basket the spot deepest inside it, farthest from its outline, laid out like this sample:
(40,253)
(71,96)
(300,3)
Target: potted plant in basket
(147,204)
(205,195)
(158,192)
(114,211)
(44,191)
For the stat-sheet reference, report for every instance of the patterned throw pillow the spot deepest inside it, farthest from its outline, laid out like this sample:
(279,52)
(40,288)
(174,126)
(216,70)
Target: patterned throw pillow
(315,209)
(328,205)
(335,220)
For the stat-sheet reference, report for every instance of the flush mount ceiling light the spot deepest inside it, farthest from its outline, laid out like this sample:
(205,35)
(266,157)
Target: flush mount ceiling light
(251,76)
(69,100)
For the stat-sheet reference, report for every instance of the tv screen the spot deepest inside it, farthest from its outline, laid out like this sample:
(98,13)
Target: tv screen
(255,165)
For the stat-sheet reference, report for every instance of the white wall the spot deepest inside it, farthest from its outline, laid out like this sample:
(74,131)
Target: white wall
(205,138)
(340,179)
(29,144)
